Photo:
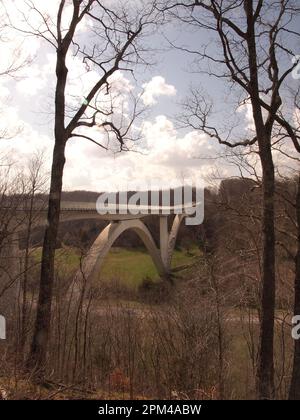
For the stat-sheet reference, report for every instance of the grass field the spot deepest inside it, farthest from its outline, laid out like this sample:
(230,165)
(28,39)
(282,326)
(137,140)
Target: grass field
(129,266)
(132,266)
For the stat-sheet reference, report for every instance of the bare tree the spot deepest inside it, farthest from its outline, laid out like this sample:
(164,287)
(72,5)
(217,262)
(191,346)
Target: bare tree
(35,184)
(288,129)
(11,193)
(294,393)
(254,38)
(113,45)
(291,129)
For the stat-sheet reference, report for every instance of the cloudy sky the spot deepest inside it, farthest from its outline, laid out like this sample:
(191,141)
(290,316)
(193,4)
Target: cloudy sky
(165,151)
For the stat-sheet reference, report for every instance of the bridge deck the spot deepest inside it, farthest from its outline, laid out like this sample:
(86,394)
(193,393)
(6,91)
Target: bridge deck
(124,209)
(80,210)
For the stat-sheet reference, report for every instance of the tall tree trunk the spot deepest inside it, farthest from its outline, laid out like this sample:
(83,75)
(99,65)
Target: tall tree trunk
(294,393)
(38,351)
(265,369)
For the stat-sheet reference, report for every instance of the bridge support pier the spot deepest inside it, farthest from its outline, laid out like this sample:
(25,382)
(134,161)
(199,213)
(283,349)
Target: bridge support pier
(164,240)
(168,239)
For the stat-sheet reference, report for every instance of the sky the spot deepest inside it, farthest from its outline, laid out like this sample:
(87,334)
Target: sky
(165,152)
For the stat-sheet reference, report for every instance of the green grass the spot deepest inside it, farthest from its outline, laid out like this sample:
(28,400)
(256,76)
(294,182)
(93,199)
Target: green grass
(129,266)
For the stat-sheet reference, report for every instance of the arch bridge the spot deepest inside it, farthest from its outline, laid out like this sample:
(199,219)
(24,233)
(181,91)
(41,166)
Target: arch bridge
(118,224)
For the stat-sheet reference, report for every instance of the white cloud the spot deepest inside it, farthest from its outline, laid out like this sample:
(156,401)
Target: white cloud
(25,141)
(165,157)
(155,88)
(32,82)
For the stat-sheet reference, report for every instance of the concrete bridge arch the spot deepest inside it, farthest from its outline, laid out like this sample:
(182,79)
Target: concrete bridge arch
(161,257)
